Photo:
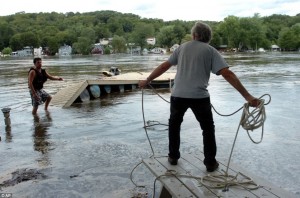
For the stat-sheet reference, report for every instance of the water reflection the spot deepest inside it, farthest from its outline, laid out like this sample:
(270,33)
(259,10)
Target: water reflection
(8,135)
(40,135)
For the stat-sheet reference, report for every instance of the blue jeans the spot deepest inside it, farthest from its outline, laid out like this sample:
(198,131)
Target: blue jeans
(202,111)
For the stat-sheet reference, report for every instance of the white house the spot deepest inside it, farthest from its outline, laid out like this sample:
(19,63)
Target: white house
(26,51)
(151,41)
(157,50)
(174,47)
(104,42)
(65,50)
(37,52)
(275,48)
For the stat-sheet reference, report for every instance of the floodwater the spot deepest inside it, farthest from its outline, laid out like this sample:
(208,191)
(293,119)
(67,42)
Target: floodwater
(91,149)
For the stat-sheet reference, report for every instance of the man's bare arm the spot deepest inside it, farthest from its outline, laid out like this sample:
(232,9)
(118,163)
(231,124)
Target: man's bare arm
(230,77)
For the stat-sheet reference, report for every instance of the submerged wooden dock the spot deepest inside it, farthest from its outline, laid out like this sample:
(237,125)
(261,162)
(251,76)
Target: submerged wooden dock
(68,95)
(184,180)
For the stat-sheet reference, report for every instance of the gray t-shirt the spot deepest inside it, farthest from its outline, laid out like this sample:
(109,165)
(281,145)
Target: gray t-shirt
(195,60)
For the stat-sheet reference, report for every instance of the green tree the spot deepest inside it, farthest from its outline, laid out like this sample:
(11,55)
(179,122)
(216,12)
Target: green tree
(118,44)
(5,33)
(231,29)
(102,31)
(252,32)
(29,39)
(15,42)
(7,51)
(179,33)
(289,38)
(141,32)
(186,38)
(53,45)
(166,36)
(83,46)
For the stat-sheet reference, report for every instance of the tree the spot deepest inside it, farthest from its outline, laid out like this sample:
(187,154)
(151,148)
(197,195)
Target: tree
(7,51)
(30,39)
(15,42)
(233,31)
(5,33)
(230,28)
(118,44)
(83,46)
(53,45)
(141,32)
(186,38)
(166,36)
(179,33)
(289,38)
(252,32)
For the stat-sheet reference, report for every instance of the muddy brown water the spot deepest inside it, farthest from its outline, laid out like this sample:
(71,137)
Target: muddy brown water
(90,149)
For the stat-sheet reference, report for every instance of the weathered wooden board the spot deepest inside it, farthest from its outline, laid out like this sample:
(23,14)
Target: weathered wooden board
(183,180)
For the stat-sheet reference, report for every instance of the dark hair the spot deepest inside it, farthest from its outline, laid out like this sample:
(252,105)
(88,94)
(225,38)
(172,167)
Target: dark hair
(36,59)
(202,31)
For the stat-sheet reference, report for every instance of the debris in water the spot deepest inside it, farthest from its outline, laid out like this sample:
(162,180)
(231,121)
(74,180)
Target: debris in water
(22,175)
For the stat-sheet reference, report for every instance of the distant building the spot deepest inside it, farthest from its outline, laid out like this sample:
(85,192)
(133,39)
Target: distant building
(98,49)
(37,52)
(151,41)
(275,48)
(104,41)
(65,50)
(157,50)
(174,47)
(26,51)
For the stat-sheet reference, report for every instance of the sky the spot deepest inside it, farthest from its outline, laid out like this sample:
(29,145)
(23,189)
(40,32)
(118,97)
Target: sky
(187,10)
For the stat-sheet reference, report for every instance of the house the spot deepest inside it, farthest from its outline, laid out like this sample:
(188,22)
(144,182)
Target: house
(65,50)
(98,49)
(151,41)
(26,51)
(37,52)
(104,41)
(157,50)
(275,48)
(174,47)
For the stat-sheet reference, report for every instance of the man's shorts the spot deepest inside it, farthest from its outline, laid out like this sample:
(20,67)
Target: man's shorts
(42,97)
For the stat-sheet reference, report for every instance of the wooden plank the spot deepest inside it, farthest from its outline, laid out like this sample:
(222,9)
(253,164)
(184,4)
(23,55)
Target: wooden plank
(172,184)
(267,189)
(131,78)
(197,162)
(196,168)
(190,181)
(112,82)
(66,96)
(190,165)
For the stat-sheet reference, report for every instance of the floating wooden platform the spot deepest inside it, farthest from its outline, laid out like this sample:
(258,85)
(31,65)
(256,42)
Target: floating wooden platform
(68,95)
(179,180)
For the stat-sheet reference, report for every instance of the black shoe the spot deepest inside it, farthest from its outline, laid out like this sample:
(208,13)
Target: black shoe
(212,168)
(172,161)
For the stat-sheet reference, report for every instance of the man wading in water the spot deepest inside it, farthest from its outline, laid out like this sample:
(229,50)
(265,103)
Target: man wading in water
(36,79)
(195,61)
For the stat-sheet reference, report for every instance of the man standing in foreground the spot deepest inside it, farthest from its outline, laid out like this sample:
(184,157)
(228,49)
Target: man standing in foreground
(195,61)
(36,79)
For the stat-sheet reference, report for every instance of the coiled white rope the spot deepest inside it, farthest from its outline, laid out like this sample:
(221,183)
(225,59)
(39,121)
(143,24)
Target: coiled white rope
(250,120)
